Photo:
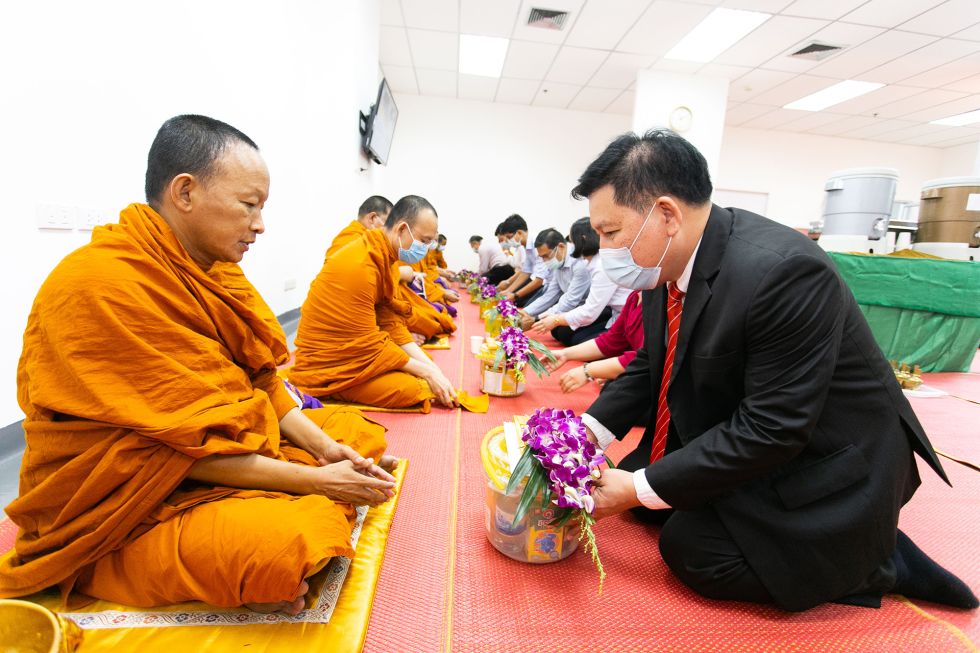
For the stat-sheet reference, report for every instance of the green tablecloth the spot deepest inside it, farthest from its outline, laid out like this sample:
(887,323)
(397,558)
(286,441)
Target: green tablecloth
(921,311)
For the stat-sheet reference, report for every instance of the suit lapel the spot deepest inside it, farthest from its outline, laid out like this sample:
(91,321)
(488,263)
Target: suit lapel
(713,242)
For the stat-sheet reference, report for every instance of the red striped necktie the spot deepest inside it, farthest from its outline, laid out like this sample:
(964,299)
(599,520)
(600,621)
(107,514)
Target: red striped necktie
(675,302)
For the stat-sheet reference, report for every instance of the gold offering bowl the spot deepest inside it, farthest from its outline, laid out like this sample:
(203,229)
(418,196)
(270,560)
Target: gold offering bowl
(27,627)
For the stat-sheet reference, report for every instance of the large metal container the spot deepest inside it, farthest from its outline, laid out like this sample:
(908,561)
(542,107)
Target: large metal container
(859,201)
(950,211)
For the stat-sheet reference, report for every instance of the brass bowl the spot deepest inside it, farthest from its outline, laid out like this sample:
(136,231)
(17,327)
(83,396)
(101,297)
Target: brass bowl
(27,627)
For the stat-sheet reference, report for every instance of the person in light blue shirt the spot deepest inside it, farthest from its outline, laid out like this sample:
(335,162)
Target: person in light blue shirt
(570,278)
(528,282)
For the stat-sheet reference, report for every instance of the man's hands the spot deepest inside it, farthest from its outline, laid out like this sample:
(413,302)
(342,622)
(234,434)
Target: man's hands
(418,338)
(502,286)
(451,296)
(547,323)
(441,387)
(560,359)
(526,320)
(347,482)
(509,296)
(573,379)
(614,493)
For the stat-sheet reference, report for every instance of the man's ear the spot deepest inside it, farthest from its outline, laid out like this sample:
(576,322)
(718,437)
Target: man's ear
(673,214)
(180,191)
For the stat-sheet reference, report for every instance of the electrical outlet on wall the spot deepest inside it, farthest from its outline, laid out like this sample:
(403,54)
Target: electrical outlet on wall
(55,216)
(89,218)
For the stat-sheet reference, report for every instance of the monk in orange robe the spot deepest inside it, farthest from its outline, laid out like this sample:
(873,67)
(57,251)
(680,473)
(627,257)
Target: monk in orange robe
(424,321)
(348,345)
(165,460)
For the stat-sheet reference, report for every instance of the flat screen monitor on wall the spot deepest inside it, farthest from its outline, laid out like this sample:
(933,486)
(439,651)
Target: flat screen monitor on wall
(381,125)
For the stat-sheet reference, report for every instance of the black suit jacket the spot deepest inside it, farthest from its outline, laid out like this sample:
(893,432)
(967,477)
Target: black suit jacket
(786,419)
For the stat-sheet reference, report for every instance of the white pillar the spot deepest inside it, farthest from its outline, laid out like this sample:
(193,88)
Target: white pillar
(692,106)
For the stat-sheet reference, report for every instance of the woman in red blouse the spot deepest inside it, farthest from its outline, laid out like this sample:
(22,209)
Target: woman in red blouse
(606,356)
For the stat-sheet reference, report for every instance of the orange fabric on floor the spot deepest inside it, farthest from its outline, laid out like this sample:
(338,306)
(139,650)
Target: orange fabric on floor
(389,390)
(251,547)
(136,363)
(343,339)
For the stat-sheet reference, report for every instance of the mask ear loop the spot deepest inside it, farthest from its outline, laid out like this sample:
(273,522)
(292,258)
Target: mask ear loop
(644,226)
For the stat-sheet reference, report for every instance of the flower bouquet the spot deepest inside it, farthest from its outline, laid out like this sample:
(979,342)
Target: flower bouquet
(475,288)
(488,296)
(465,278)
(504,313)
(560,466)
(504,359)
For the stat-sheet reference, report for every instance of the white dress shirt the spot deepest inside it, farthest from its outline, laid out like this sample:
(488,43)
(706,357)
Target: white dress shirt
(604,436)
(602,292)
(491,256)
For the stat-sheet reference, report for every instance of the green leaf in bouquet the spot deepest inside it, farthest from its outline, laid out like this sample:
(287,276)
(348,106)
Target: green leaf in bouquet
(609,462)
(562,517)
(541,349)
(498,358)
(537,366)
(521,469)
(535,483)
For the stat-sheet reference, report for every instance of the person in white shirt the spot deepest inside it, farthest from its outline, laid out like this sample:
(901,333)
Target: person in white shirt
(569,282)
(493,263)
(602,304)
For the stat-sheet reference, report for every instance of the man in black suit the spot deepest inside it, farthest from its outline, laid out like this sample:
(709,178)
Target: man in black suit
(779,449)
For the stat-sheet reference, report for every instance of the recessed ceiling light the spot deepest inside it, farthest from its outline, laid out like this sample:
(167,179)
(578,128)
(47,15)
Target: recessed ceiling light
(716,33)
(832,95)
(959,120)
(482,55)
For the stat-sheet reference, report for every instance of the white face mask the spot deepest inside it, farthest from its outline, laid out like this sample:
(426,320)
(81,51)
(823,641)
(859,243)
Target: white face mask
(623,271)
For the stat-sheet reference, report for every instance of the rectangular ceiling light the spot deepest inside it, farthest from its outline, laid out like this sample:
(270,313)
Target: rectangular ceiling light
(959,120)
(832,95)
(719,31)
(482,55)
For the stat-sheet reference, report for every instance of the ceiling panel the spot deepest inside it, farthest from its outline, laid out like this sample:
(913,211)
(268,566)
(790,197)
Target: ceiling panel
(723,70)
(947,74)
(517,91)
(776,35)
(524,32)
(869,103)
(675,66)
(662,25)
(440,83)
(495,18)
(793,89)
(968,85)
(554,94)
(745,112)
(619,70)
(949,17)
(931,56)
(393,46)
(919,102)
(767,6)
(839,127)
(431,14)
(773,119)
(812,119)
(575,65)
(603,24)
(971,33)
(841,34)
(435,50)
(829,9)
(953,108)
(879,127)
(391,13)
(755,83)
(934,138)
(889,13)
(527,60)
(881,49)
(401,79)
(972,139)
(594,99)
(910,132)
(476,87)
(623,104)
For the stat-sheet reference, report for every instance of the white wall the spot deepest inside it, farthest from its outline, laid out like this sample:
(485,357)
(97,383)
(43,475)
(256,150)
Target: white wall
(479,162)
(792,168)
(961,161)
(85,86)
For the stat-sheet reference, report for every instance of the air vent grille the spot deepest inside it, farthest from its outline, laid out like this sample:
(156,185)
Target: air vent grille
(547,19)
(817,51)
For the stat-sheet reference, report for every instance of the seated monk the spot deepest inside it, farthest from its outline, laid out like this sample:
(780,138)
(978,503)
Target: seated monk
(432,268)
(165,460)
(346,348)
(425,320)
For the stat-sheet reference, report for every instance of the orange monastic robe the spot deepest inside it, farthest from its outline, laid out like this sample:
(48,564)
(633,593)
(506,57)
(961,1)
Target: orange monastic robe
(136,363)
(344,349)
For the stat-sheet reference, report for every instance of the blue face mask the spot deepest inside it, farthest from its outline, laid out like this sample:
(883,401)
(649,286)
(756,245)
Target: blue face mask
(416,251)
(623,271)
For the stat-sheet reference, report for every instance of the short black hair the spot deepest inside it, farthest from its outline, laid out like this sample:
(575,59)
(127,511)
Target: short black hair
(374,204)
(407,210)
(584,238)
(187,144)
(550,237)
(441,238)
(499,230)
(640,168)
(476,239)
(515,223)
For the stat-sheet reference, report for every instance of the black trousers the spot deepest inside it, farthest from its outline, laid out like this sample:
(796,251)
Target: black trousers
(499,273)
(521,302)
(570,337)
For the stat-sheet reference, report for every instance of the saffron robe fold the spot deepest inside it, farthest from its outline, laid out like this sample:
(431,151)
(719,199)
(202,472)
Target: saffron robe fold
(345,339)
(135,364)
